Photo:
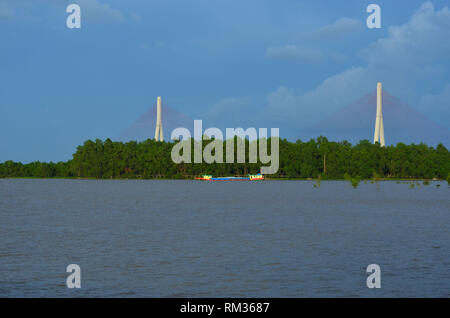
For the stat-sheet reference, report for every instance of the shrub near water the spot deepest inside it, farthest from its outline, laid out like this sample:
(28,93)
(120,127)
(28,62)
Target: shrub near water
(375,177)
(317,184)
(355,182)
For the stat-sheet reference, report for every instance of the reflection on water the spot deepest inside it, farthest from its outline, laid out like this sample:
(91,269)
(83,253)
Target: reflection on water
(208,239)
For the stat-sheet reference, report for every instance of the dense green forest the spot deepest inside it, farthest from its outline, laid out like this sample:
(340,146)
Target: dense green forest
(311,159)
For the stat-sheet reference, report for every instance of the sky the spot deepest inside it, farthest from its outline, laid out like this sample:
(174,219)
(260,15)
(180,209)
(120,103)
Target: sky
(248,63)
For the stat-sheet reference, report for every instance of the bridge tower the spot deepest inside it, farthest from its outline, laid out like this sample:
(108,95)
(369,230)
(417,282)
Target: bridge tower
(159,129)
(379,127)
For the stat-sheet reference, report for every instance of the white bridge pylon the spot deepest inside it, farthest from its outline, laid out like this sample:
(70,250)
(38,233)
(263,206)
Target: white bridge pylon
(159,128)
(379,127)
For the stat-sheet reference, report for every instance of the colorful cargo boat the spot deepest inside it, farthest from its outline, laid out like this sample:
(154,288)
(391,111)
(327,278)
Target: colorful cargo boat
(251,177)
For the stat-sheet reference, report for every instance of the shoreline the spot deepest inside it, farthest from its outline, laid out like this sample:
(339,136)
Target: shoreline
(267,179)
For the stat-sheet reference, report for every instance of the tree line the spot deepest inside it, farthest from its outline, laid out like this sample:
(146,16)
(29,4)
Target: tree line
(316,158)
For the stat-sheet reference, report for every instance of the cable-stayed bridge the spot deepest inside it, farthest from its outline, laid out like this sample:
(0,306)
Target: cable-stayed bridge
(355,122)
(402,123)
(144,127)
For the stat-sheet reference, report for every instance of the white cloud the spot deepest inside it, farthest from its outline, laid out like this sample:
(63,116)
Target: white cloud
(303,54)
(422,41)
(341,27)
(226,112)
(410,57)
(308,54)
(227,105)
(296,53)
(438,105)
(335,91)
(95,11)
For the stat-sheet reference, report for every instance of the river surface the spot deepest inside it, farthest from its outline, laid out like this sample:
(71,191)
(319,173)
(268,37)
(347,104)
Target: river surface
(166,238)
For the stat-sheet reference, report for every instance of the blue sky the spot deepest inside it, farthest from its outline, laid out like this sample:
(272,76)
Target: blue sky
(232,63)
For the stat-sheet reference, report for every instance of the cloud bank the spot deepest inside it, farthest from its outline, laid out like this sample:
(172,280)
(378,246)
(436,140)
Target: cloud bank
(410,58)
